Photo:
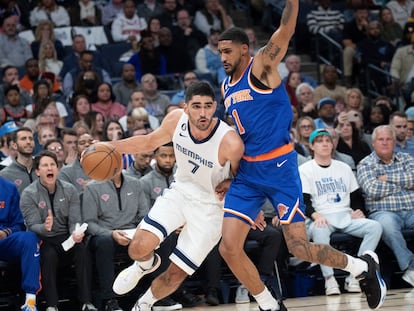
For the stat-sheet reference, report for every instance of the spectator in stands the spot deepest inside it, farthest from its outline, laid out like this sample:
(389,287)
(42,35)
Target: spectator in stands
(21,171)
(87,83)
(45,134)
(48,61)
(354,32)
(124,88)
(337,155)
(127,26)
(333,203)
(49,10)
(401,10)
(8,150)
(375,115)
(293,64)
(43,32)
(173,52)
(95,121)
(17,245)
(168,15)
(148,59)
(304,127)
(354,99)
(154,26)
(85,13)
(329,87)
(410,130)
(113,131)
(80,107)
(10,76)
(292,81)
(386,177)
(86,63)
(70,145)
(326,113)
(141,165)
(189,78)
(55,146)
(149,8)
(375,51)
(71,59)
(399,123)
(14,50)
(306,105)
(31,75)
(326,20)
(110,10)
(156,103)
(208,59)
(402,69)
(81,127)
(350,140)
(108,219)
(13,110)
(212,16)
(137,100)
(253,43)
(390,30)
(106,103)
(53,218)
(73,172)
(185,34)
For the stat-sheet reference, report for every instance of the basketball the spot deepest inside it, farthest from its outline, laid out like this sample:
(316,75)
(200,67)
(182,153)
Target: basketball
(101,161)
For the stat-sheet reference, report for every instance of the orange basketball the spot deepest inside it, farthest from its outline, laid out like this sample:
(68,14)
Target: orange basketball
(101,161)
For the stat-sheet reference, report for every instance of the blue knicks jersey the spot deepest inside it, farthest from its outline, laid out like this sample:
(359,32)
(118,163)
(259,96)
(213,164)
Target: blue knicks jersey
(263,117)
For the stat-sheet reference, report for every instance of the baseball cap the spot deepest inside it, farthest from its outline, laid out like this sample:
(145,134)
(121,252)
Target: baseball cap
(410,113)
(317,133)
(8,127)
(326,101)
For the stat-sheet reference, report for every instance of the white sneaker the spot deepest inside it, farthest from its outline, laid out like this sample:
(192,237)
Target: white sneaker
(128,278)
(51,309)
(408,276)
(331,286)
(141,307)
(352,285)
(242,295)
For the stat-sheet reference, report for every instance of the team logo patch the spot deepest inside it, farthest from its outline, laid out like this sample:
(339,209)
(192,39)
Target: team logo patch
(157,190)
(18,182)
(105,197)
(80,181)
(282,209)
(42,204)
(2,204)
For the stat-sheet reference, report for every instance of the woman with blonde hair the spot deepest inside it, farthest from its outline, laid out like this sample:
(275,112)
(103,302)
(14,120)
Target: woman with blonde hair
(354,99)
(43,32)
(304,127)
(48,61)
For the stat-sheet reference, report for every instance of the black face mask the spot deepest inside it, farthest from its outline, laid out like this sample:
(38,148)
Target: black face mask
(89,83)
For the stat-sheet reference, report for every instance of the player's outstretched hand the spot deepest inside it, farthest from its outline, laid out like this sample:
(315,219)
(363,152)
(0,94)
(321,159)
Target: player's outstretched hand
(259,222)
(222,188)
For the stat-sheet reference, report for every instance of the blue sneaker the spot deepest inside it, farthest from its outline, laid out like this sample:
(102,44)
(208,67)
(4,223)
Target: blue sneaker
(371,282)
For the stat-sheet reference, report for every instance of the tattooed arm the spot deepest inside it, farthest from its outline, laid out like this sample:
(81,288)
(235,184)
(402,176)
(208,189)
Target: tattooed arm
(267,59)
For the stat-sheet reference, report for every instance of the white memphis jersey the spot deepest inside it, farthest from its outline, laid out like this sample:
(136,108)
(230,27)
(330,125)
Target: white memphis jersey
(198,168)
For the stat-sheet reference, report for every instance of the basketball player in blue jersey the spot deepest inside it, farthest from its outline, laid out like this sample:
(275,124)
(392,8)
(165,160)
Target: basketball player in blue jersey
(207,152)
(255,97)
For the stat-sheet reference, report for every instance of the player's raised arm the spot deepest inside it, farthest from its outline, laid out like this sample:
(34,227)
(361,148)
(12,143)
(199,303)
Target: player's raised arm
(151,141)
(273,52)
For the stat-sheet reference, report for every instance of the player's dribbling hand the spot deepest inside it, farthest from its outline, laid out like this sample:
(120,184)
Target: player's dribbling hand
(259,222)
(222,188)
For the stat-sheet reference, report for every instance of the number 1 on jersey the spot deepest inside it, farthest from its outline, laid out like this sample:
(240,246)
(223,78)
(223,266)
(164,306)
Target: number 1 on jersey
(238,123)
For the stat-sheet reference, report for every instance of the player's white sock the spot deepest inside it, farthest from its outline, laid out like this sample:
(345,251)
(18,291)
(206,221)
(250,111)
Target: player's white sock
(147,264)
(148,298)
(266,301)
(355,266)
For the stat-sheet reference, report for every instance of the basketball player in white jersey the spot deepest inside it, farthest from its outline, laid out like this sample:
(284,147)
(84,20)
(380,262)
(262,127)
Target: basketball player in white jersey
(207,153)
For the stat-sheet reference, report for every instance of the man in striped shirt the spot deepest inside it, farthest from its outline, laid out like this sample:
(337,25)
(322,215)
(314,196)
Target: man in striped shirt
(387,178)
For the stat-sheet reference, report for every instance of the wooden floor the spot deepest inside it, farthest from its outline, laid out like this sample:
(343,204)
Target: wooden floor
(397,300)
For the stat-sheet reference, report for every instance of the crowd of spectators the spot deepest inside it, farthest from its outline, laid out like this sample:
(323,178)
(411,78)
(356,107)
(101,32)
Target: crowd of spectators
(57,96)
